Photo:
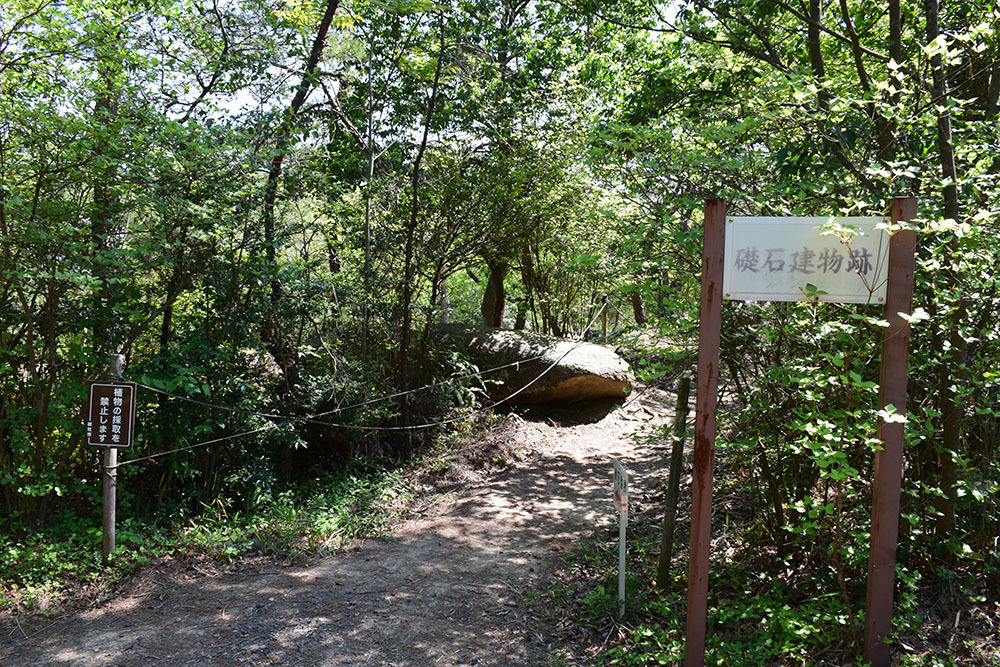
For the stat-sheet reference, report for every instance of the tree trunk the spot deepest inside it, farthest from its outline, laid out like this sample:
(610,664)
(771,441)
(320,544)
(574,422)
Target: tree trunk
(950,401)
(366,278)
(105,202)
(522,316)
(444,304)
(816,63)
(439,291)
(411,228)
(638,309)
(528,278)
(951,407)
(993,93)
(272,331)
(8,501)
(494,297)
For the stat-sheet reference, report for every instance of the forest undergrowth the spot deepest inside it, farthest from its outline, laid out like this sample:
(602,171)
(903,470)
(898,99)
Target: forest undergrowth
(768,605)
(43,571)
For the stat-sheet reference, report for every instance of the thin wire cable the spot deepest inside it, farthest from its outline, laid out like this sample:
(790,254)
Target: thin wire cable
(452,420)
(579,341)
(387,397)
(427,386)
(200,444)
(213,405)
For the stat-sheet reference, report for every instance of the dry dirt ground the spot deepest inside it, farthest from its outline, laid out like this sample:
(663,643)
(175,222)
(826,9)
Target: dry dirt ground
(448,588)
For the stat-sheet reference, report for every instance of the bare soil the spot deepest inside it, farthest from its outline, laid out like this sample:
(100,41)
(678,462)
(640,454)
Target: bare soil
(448,588)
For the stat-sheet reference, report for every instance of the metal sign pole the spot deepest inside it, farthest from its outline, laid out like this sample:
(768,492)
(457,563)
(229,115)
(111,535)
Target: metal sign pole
(110,477)
(110,474)
(889,461)
(704,430)
(622,519)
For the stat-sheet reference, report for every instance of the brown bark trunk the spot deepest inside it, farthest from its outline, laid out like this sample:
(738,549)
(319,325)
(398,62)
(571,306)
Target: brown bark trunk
(105,205)
(816,52)
(284,354)
(993,92)
(8,501)
(528,278)
(823,96)
(494,297)
(885,128)
(522,316)
(411,228)
(638,309)
(951,401)
(444,304)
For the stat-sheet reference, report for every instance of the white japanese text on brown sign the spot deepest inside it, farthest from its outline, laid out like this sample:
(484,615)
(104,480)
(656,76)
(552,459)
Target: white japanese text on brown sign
(839,260)
(111,414)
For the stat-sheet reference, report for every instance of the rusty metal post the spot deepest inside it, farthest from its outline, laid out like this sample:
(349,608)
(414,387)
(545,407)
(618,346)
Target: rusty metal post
(889,461)
(710,329)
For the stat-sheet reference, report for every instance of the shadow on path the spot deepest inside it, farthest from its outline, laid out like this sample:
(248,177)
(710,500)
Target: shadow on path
(446,590)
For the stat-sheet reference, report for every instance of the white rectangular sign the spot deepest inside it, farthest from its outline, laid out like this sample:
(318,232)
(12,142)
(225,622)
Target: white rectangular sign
(806,259)
(621,486)
(621,499)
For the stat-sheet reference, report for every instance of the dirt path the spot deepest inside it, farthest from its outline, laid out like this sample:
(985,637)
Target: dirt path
(447,589)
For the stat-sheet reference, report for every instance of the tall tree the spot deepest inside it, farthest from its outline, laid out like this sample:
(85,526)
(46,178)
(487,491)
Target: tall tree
(281,349)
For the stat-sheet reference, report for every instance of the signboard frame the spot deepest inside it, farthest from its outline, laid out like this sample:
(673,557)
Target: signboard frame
(844,258)
(98,390)
(898,305)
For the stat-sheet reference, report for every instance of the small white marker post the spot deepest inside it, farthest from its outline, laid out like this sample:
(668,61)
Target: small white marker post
(621,499)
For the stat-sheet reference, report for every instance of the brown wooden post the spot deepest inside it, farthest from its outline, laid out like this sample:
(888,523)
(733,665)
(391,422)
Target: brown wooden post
(704,430)
(889,461)
(604,321)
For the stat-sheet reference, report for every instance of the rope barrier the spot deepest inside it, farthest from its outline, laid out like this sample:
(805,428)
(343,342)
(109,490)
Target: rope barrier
(195,446)
(312,418)
(345,408)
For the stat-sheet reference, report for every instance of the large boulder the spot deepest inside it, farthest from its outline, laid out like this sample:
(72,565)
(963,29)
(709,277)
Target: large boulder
(540,368)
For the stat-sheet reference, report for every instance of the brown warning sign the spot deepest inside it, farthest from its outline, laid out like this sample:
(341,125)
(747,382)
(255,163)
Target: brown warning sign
(111,414)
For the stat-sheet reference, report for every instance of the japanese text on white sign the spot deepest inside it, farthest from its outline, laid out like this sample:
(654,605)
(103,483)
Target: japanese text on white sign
(804,258)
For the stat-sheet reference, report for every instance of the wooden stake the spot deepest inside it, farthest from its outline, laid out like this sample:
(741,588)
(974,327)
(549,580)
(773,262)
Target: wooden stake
(622,552)
(709,340)
(889,461)
(673,484)
(621,499)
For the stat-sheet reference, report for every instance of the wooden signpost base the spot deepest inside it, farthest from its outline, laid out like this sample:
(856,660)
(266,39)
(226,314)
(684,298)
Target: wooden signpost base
(888,462)
(704,430)
(110,477)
